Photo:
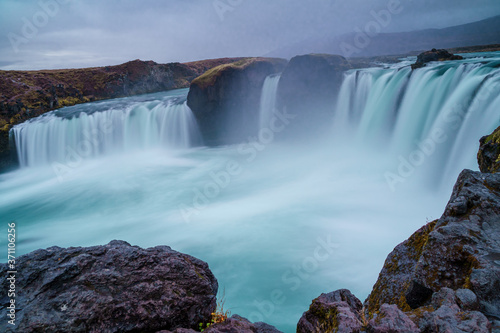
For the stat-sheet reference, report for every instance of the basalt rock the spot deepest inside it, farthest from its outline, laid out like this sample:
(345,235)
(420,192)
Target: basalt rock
(339,311)
(488,156)
(111,288)
(390,319)
(308,88)
(237,324)
(449,316)
(434,55)
(444,278)
(226,99)
(234,324)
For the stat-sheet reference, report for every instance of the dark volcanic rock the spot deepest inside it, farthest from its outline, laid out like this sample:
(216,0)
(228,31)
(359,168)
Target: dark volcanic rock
(459,251)
(434,55)
(237,324)
(390,319)
(111,288)
(339,311)
(488,156)
(226,99)
(308,88)
(450,317)
(234,324)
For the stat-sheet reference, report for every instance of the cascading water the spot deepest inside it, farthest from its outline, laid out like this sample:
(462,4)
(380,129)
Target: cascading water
(433,116)
(278,224)
(268,100)
(106,128)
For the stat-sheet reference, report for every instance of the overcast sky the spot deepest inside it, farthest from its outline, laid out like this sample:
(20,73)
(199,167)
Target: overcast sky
(47,34)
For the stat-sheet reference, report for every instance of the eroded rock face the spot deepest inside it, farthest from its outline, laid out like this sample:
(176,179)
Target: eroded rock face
(339,311)
(234,324)
(449,316)
(460,251)
(226,99)
(308,89)
(434,55)
(111,288)
(488,156)
(239,324)
(444,278)
(390,319)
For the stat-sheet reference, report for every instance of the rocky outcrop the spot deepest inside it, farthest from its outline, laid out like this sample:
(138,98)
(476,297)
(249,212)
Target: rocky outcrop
(444,278)
(225,100)
(28,94)
(488,156)
(239,324)
(434,55)
(339,311)
(234,324)
(460,250)
(308,89)
(390,319)
(111,288)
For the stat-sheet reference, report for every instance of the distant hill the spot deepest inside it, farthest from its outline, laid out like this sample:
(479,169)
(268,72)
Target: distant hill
(477,33)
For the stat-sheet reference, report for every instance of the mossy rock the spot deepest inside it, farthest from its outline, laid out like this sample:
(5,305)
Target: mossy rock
(488,156)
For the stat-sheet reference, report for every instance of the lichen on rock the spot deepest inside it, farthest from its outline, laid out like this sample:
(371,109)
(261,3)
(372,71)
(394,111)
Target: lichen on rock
(488,156)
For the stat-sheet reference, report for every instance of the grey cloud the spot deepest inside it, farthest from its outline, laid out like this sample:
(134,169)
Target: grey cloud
(95,33)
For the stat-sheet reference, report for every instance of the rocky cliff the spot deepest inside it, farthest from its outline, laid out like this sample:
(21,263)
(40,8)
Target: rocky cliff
(444,278)
(28,94)
(225,100)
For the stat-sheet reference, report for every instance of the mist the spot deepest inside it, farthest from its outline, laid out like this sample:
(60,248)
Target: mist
(51,34)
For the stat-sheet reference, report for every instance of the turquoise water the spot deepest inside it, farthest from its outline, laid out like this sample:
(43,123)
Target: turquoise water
(278,223)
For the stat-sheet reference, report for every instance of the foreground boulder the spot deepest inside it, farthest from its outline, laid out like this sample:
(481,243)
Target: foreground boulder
(111,288)
(234,324)
(339,311)
(434,55)
(488,156)
(308,89)
(239,324)
(226,99)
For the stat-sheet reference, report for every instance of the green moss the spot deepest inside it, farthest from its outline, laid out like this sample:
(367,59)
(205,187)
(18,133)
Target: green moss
(209,77)
(415,246)
(417,314)
(327,318)
(494,137)
(69,101)
(419,240)
(471,263)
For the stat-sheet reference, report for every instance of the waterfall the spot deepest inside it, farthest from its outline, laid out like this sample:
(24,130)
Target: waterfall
(268,99)
(97,129)
(433,116)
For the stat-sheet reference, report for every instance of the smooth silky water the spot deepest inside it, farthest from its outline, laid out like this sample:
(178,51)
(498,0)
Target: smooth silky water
(278,223)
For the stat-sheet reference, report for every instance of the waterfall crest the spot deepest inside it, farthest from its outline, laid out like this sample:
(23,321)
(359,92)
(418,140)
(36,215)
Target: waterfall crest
(94,130)
(437,113)
(268,99)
